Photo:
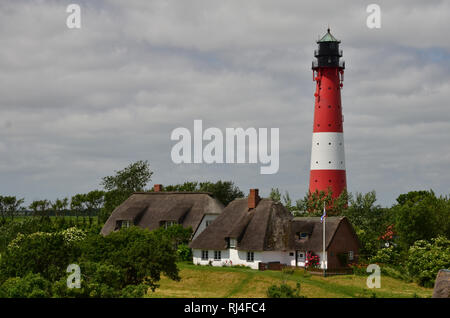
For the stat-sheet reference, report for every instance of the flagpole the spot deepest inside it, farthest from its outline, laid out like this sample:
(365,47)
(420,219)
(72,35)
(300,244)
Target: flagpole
(323,240)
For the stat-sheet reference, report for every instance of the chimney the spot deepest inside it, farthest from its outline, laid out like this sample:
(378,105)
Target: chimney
(157,187)
(253,199)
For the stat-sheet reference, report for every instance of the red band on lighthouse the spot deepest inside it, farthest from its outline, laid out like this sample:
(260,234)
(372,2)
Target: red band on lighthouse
(327,152)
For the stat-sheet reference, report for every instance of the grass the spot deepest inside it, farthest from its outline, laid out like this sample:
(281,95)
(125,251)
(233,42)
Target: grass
(223,282)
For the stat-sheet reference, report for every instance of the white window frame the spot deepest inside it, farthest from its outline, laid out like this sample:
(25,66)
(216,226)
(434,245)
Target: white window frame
(168,224)
(205,255)
(124,224)
(217,255)
(233,243)
(250,256)
(351,255)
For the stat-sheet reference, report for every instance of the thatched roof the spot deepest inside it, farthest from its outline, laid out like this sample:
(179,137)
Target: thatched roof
(264,228)
(314,228)
(150,209)
(269,227)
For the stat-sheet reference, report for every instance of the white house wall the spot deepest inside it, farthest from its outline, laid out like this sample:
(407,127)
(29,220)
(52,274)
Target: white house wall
(202,226)
(238,257)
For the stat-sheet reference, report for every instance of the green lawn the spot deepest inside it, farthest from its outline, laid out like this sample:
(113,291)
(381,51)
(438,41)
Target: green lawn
(222,282)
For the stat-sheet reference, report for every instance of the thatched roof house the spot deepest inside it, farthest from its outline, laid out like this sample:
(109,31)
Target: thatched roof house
(265,228)
(152,210)
(253,230)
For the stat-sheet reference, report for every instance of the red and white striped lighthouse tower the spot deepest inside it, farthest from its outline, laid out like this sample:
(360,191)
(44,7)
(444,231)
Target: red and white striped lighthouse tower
(327,153)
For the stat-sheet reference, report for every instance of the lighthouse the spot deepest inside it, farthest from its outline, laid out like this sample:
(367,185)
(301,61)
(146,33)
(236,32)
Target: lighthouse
(327,151)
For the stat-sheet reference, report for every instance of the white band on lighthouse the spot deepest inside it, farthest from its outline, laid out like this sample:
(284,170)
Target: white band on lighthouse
(327,151)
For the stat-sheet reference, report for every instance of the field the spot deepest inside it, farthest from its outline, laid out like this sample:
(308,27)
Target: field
(222,282)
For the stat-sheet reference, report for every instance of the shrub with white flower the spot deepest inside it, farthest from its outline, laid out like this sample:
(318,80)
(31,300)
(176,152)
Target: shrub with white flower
(69,235)
(73,234)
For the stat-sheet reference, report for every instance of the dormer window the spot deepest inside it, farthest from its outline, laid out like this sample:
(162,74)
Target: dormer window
(302,235)
(123,224)
(168,224)
(232,243)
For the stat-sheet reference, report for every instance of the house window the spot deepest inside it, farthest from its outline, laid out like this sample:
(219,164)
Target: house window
(302,235)
(217,255)
(124,224)
(207,223)
(232,243)
(350,255)
(168,224)
(250,256)
(204,255)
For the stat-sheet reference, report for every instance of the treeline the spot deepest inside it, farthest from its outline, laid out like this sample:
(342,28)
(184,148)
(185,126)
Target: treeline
(88,204)
(116,189)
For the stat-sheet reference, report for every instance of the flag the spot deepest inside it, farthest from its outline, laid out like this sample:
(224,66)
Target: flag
(324,215)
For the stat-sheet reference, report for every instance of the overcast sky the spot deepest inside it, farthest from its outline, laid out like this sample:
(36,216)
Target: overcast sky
(77,104)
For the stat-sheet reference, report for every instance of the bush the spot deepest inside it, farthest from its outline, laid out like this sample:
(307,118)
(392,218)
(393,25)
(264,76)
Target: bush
(420,215)
(29,225)
(284,291)
(184,253)
(426,258)
(47,254)
(142,255)
(387,255)
(30,286)
(359,269)
(134,291)
(395,271)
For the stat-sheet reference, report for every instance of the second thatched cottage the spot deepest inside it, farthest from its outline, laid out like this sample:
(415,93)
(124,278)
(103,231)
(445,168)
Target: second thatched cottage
(255,232)
(152,210)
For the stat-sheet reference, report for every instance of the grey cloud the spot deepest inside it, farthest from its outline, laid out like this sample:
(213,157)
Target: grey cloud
(75,105)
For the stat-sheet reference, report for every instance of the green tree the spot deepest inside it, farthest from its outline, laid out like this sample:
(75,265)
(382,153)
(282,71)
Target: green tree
(47,254)
(275,195)
(94,201)
(78,204)
(98,280)
(10,206)
(119,187)
(369,220)
(142,255)
(25,226)
(420,215)
(30,286)
(426,258)
(224,191)
(40,208)
(313,203)
(59,206)
(133,178)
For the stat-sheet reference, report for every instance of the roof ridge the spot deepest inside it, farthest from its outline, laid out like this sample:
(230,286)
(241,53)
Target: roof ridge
(173,192)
